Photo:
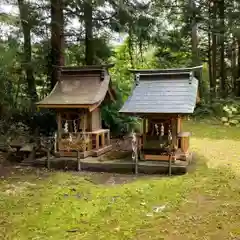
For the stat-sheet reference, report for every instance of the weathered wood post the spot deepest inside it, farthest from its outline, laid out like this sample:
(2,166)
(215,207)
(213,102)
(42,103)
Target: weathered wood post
(135,151)
(79,161)
(170,165)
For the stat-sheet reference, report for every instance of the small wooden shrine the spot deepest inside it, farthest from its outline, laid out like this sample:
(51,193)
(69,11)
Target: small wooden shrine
(77,98)
(162,98)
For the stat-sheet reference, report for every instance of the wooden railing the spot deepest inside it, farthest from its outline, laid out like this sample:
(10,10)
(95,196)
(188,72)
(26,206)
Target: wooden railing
(84,141)
(75,141)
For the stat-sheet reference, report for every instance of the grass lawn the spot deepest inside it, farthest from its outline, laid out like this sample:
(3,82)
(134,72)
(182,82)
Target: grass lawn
(203,204)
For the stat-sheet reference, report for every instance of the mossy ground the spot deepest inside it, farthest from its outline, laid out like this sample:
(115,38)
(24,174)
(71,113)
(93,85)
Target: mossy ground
(203,204)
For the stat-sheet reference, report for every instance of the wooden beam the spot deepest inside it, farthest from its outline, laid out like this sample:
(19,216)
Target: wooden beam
(109,91)
(155,115)
(169,70)
(65,106)
(87,67)
(157,157)
(94,106)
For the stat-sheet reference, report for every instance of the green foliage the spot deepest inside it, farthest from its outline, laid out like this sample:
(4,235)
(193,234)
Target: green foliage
(118,123)
(226,110)
(11,129)
(172,50)
(232,115)
(9,72)
(123,82)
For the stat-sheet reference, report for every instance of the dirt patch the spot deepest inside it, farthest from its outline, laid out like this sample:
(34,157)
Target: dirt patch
(12,171)
(105,178)
(110,179)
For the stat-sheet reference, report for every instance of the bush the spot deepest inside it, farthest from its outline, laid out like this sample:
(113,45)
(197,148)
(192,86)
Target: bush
(203,110)
(227,110)
(27,124)
(118,123)
(232,115)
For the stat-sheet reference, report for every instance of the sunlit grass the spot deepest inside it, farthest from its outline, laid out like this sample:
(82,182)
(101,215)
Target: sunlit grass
(203,204)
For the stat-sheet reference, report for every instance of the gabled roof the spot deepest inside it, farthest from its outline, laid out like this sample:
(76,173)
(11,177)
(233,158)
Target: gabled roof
(163,91)
(78,87)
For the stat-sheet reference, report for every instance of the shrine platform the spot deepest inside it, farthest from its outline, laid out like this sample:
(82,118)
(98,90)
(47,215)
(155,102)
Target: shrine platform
(96,164)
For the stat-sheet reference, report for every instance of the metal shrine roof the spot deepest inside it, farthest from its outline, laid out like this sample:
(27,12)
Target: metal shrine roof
(163,91)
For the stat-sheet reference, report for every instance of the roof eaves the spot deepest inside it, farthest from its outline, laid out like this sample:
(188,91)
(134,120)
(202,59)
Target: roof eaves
(86,68)
(169,70)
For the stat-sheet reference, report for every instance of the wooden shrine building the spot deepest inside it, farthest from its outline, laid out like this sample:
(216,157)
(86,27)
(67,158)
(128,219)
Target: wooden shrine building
(77,98)
(162,98)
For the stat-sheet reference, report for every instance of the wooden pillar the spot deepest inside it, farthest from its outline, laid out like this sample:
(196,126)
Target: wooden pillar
(84,121)
(78,161)
(108,137)
(179,124)
(103,139)
(174,133)
(136,161)
(59,129)
(184,138)
(144,129)
(139,139)
(97,141)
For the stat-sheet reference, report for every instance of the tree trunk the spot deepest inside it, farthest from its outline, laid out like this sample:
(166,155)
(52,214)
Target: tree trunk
(130,47)
(194,35)
(238,79)
(222,49)
(212,83)
(194,43)
(57,41)
(214,48)
(88,20)
(27,63)
(234,65)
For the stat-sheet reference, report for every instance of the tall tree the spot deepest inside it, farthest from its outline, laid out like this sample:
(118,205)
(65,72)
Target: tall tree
(57,41)
(214,47)
(210,74)
(25,17)
(88,22)
(222,47)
